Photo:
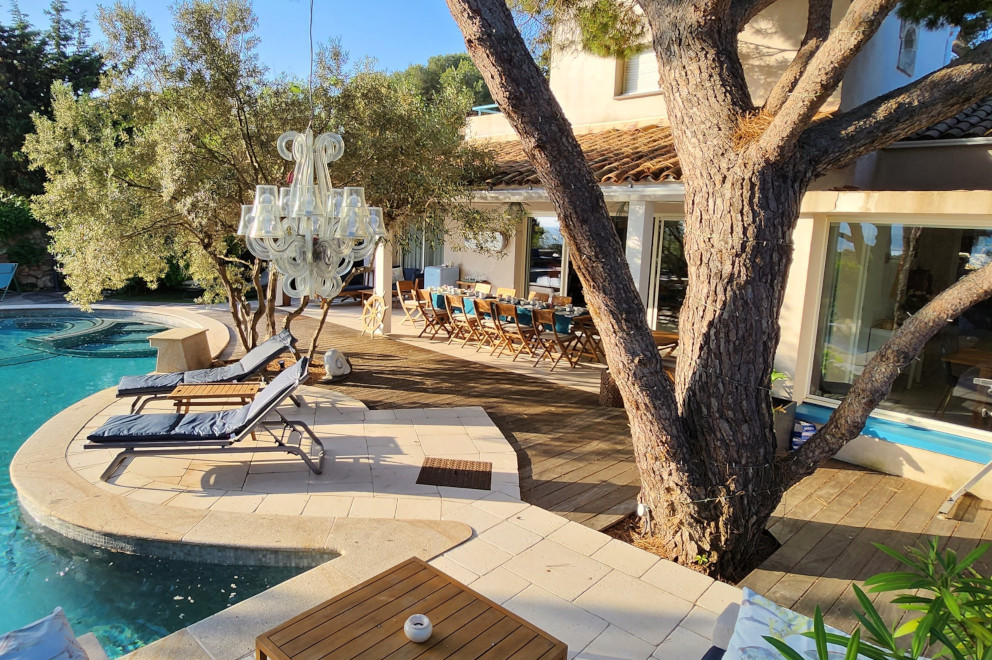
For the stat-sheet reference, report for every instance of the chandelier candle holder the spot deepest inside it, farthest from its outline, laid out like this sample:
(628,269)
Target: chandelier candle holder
(310,232)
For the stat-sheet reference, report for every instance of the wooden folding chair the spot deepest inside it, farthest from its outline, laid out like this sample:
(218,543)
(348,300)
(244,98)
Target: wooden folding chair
(463,326)
(512,332)
(435,320)
(407,293)
(561,301)
(586,343)
(548,340)
(542,297)
(503,292)
(486,325)
(484,287)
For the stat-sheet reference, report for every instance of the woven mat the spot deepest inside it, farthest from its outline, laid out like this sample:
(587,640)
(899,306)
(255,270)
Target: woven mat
(455,473)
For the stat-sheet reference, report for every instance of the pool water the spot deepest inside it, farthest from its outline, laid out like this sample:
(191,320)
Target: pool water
(127,601)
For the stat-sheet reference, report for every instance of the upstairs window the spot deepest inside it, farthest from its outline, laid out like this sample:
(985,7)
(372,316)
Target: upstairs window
(640,73)
(908,39)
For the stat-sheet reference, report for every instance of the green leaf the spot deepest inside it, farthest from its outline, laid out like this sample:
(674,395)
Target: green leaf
(853,646)
(951,602)
(819,633)
(787,651)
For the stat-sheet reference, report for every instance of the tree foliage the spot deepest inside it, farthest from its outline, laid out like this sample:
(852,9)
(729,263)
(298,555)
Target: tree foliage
(30,61)
(455,71)
(156,166)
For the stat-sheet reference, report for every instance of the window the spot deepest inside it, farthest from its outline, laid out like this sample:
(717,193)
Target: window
(670,274)
(423,249)
(876,277)
(546,250)
(640,73)
(908,38)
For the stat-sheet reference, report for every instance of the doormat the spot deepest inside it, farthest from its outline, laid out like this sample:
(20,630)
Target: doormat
(455,473)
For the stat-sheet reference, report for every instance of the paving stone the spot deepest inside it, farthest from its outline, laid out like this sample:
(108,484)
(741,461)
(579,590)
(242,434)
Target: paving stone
(638,608)
(196,499)
(453,569)
(510,537)
(478,556)
(616,644)
(475,518)
(276,482)
(501,505)
(625,557)
(719,595)
(679,580)
(556,616)
(700,620)
(580,538)
(238,502)
(373,507)
(328,506)
(558,569)
(418,509)
(538,520)
(287,504)
(682,644)
(500,585)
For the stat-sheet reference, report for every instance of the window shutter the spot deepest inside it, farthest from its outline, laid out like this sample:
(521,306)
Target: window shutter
(641,73)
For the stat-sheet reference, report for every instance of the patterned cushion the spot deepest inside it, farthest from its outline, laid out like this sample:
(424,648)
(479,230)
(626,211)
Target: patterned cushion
(760,617)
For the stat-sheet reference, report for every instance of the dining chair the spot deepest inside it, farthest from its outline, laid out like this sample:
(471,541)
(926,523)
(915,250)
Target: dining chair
(463,326)
(513,332)
(586,343)
(486,325)
(435,320)
(561,301)
(503,292)
(407,293)
(483,287)
(542,297)
(548,339)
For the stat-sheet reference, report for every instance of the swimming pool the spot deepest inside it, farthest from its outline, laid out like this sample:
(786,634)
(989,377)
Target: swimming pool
(127,601)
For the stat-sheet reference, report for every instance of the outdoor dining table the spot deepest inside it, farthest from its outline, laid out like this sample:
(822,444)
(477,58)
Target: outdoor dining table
(563,318)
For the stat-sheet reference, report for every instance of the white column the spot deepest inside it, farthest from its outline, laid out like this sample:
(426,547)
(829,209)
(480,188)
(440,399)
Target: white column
(384,282)
(640,239)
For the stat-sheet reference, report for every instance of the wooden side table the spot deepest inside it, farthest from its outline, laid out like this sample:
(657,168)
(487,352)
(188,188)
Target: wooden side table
(181,349)
(367,621)
(211,394)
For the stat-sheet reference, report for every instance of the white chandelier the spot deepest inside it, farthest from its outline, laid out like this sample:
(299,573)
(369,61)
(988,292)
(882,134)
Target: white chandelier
(311,232)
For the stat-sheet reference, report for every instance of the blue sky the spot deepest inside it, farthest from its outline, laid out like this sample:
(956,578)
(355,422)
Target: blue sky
(396,33)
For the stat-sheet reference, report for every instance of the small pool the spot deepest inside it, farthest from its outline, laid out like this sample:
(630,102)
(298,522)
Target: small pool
(128,601)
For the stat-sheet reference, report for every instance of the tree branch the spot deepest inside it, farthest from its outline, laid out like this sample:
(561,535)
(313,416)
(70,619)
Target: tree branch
(824,72)
(840,140)
(817,31)
(743,12)
(876,380)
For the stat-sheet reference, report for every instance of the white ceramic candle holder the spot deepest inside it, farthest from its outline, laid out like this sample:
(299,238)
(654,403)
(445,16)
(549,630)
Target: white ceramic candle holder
(418,628)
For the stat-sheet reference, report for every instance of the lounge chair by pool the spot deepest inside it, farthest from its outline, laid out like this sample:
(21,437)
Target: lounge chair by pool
(151,386)
(210,432)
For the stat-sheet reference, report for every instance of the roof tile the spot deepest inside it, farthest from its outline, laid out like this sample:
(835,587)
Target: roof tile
(972,122)
(636,155)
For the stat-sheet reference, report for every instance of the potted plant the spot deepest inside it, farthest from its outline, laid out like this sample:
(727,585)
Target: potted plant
(784,409)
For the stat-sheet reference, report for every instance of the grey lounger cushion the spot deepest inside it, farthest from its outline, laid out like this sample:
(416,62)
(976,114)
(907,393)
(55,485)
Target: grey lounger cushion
(253,361)
(221,425)
(134,385)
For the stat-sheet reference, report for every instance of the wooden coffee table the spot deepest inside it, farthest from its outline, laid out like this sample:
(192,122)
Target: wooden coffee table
(211,394)
(367,621)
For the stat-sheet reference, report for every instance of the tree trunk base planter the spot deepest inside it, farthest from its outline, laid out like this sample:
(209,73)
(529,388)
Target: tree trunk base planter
(609,393)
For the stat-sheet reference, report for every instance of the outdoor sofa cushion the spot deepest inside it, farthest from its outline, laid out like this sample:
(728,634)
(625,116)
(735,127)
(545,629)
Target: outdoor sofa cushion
(48,638)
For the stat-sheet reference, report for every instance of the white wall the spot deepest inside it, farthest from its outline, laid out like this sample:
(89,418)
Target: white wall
(873,72)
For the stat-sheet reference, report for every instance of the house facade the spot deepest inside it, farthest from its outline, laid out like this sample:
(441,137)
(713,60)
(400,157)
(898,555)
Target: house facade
(874,242)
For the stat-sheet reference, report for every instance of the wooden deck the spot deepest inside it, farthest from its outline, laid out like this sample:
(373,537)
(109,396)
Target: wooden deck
(828,522)
(575,456)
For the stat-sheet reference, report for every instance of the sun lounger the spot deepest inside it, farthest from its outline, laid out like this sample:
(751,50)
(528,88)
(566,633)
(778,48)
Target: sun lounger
(154,386)
(211,432)
(7,278)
